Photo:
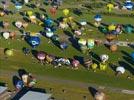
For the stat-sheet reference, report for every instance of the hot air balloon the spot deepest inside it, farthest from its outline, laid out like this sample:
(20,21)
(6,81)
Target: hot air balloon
(111,27)
(110,6)
(26,1)
(12,35)
(99,96)
(94,66)
(34,41)
(75,64)
(53,10)
(129,5)
(19,85)
(48,22)
(98,19)
(128,28)
(6,35)
(5,24)
(2,13)
(82,42)
(65,12)
(63,45)
(120,70)
(41,56)
(113,47)
(9,52)
(90,43)
(103,66)
(29,13)
(104,58)
(18,24)
(18,6)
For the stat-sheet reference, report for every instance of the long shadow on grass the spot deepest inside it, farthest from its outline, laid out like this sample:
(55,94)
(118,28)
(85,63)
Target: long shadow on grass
(73,40)
(127,57)
(127,66)
(92,91)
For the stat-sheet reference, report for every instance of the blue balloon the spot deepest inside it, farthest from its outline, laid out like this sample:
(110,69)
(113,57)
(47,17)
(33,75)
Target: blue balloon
(48,22)
(98,17)
(18,6)
(63,45)
(129,5)
(19,84)
(132,55)
(34,41)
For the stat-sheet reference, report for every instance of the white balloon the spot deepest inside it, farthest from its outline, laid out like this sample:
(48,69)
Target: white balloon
(120,69)
(104,57)
(18,24)
(26,1)
(6,35)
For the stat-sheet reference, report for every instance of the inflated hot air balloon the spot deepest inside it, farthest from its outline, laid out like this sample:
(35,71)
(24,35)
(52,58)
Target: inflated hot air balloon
(129,4)
(9,52)
(6,35)
(63,45)
(29,13)
(18,24)
(65,12)
(113,47)
(53,11)
(26,1)
(111,27)
(120,70)
(2,13)
(128,28)
(19,85)
(90,43)
(34,41)
(98,18)
(75,64)
(48,22)
(104,58)
(99,96)
(110,6)
(103,66)
(18,6)
(82,42)
(41,56)
(12,35)
(94,66)
(49,34)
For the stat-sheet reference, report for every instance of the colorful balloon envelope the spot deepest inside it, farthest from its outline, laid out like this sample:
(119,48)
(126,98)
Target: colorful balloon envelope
(34,41)
(98,18)
(63,45)
(82,42)
(111,27)
(48,22)
(104,57)
(18,6)
(129,5)
(103,66)
(65,12)
(90,43)
(19,85)
(75,63)
(41,55)
(29,13)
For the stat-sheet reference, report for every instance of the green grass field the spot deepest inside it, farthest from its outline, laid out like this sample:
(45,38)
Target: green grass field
(107,78)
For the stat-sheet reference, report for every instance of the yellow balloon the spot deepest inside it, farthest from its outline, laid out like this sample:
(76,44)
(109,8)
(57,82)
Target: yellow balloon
(65,20)
(66,12)
(111,27)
